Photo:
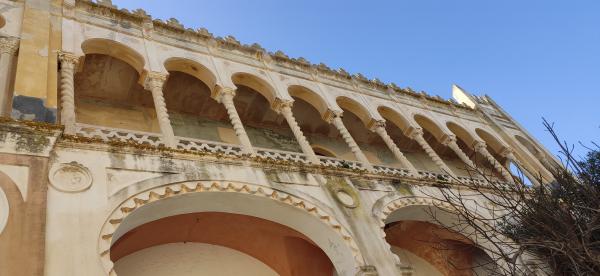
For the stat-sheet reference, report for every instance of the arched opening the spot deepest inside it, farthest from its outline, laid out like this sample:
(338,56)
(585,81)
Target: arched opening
(216,243)
(107,89)
(466,141)
(397,126)
(356,118)
(265,127)
(429,248)
(309,109)
(494,146)
(192,111)
(434,134)
(255,227)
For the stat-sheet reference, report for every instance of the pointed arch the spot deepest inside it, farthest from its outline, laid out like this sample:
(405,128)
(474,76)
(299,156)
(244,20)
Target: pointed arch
(356,108)
(114,49)
(310,97)
(430,125)
(257,84)
(192,68)
(395,117)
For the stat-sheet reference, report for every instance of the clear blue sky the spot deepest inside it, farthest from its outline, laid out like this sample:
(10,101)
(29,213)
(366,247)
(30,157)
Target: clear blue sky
(535,58)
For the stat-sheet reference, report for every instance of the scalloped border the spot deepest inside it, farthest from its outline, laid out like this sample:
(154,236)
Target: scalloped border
(154,194)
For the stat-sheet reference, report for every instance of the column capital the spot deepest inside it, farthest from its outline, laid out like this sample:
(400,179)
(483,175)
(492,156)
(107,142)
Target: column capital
(330,114)
(279,103)
(68,58)
(375,124)
(415,132)
(155,80)
(479,145)
(449,139)
(219,91)
(9,45)
(506,152)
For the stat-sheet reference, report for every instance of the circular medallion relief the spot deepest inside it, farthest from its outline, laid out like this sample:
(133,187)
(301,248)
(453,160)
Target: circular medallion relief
(4,208)
(70,177)
(345,198)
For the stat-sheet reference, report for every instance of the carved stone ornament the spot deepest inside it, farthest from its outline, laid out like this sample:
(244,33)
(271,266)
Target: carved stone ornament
(70,177)
(345,199)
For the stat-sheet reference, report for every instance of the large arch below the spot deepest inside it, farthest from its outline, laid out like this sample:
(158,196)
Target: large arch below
(416,237)
(234,198)
(192,68)
(114,49)
(282,249)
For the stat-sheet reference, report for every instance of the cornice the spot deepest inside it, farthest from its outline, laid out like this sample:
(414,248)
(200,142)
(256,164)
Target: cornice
(174,29)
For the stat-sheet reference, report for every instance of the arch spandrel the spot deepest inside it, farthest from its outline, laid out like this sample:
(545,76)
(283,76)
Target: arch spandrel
(317,223)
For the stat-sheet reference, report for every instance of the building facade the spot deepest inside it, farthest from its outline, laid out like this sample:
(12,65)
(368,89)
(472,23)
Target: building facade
(134,146)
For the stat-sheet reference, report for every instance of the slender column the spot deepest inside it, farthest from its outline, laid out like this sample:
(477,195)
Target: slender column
(379,128)
(8,48)
(285,108)
(482,149)
(225,95)
(154,83)
(336,119)
(68,61)
(451,143)
(417,135)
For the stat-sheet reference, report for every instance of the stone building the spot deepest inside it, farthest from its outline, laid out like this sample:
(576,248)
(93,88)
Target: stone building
(134,146)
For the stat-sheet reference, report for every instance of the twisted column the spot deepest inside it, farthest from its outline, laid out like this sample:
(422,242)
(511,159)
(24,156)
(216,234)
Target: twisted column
(285,108)
(379,128)
(336,120)
(154,83)
(417,135)
(451,143)
(225,96)
(8,48)
(68,61)
(482,149)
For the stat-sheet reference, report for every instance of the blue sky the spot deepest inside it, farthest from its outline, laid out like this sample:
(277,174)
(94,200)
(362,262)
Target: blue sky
(535,58)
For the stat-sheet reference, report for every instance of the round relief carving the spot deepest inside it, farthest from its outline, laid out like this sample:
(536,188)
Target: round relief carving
(345,198)
(70,177)
(4,209)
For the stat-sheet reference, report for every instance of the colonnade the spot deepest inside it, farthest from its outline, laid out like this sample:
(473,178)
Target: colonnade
(155,81)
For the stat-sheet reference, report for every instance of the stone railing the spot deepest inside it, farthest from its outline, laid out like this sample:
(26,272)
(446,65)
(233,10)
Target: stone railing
(123,135)
(334,162)
(210,146)
(281,155)
(392,170)
(192,144)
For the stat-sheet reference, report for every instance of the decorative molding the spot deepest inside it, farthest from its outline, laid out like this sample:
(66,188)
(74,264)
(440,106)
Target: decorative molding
(127,207)
(9,45)
(4,210)
(70,177)
(19,175)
